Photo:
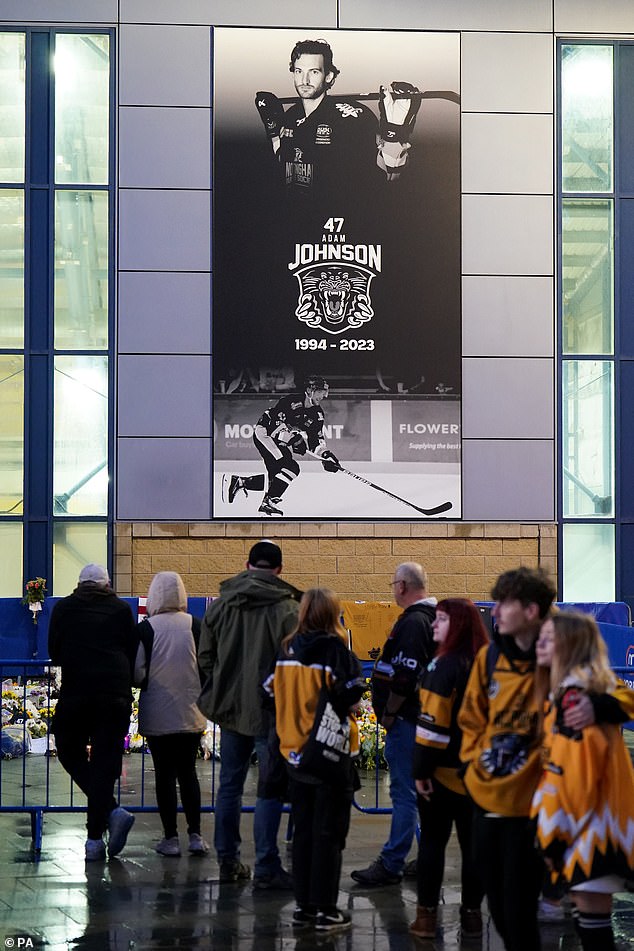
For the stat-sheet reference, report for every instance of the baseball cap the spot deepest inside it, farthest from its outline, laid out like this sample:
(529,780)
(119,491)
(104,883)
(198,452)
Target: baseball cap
(95,573)
(265,554)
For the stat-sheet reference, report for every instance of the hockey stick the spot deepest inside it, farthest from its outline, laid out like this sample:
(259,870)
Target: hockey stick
(375,96)
(436,510)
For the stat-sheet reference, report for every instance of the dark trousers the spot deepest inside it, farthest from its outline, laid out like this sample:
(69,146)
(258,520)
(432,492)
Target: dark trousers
(512,873)
(101,723)
(174,758)
(321,819)
(437,816)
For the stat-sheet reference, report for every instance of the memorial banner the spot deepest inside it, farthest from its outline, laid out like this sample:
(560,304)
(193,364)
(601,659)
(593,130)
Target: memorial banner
(336,273)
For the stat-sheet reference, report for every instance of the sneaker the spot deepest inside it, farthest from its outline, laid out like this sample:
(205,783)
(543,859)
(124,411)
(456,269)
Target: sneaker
(234,871)
(375,875)
(425,924)
(471,922)
(267,507)
(168,846)
(279,881)
(197,845)
(332,920)
(411,869)
(95,850)
(120,821)
(304,917)
(550,911)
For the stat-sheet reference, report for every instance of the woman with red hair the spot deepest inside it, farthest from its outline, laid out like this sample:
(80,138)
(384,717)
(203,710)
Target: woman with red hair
(441,795)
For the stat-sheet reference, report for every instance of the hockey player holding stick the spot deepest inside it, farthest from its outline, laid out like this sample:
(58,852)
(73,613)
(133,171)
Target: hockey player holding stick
(323,143)
(292,427)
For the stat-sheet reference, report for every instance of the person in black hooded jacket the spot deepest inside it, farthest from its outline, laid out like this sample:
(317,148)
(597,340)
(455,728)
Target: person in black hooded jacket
(92,636)
(407,651)
(316,652)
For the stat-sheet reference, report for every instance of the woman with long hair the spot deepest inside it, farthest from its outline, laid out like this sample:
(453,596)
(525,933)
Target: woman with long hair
(442,798)
(584,803)
(315,654)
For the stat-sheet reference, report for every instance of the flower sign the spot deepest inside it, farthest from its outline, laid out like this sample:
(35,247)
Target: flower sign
(34,596)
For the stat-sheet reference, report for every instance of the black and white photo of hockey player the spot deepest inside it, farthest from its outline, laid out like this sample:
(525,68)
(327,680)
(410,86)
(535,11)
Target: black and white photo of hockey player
(326,145)
(292,427)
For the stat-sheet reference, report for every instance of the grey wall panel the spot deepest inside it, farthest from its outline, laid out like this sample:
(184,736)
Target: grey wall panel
(164,395)
(165,66)
(512,154)
(74,12)
(447,14)
(164,148)
(508,480)
(507,234)
(577,17)
(507,398)
(164,230)
(508,316)
(231,12)
(503,72)
(163,479)
(163,312)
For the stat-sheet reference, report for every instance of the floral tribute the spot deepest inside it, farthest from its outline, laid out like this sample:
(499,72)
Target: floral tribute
(371,736)
(35,593)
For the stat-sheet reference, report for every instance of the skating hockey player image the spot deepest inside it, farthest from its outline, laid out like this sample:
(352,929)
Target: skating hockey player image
(292,427)
(324,143)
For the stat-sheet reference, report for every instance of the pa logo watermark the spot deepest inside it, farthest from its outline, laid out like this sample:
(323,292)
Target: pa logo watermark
(18,941)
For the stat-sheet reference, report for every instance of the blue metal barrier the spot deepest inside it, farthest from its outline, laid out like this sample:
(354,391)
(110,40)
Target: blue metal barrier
(31,788)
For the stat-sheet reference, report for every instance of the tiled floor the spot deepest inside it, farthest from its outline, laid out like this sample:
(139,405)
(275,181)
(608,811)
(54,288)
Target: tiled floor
(143,900)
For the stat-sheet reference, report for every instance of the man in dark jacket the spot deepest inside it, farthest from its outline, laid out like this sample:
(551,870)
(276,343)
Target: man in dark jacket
(239,639)
(407,651)
(92,637)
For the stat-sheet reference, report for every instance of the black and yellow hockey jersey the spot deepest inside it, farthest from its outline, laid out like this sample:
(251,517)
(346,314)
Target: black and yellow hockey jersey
(584,803)
(295,684)
(438,736)
(501,725)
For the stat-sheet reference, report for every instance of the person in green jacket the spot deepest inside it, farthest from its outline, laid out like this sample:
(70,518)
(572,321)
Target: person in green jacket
(239,639)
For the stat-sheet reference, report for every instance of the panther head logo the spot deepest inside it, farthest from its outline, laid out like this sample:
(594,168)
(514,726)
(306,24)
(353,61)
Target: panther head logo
(334,298)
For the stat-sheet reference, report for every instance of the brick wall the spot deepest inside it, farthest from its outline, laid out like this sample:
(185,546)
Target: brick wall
(356,559)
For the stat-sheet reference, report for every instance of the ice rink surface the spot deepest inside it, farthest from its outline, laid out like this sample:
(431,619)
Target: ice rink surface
(318,495)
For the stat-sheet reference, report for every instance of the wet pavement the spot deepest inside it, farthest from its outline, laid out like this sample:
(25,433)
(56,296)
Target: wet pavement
(143,900)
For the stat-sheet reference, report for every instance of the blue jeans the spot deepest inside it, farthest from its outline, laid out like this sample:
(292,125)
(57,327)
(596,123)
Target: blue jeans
(399,753)
(235,758)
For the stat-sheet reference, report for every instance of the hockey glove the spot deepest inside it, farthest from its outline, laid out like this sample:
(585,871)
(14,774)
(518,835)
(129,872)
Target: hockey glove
(271,112)
(298,444)
(397,116)
(329,461)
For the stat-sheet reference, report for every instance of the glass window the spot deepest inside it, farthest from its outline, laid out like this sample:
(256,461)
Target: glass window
(80,466)
(588,438)
(12,104)
(81,270)
(589,562)
(587,118)
(11,268)
(587,276)
(82,92)
(10,559)
(11,434)
(75,545)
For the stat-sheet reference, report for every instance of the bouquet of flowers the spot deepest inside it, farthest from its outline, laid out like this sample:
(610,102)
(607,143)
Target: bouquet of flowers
(371,736)
(34,596)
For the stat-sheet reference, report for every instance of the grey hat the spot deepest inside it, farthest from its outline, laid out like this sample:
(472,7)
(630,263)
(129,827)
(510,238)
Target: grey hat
(97,574)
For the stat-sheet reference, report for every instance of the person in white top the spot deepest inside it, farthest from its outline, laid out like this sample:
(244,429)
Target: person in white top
(167,671)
